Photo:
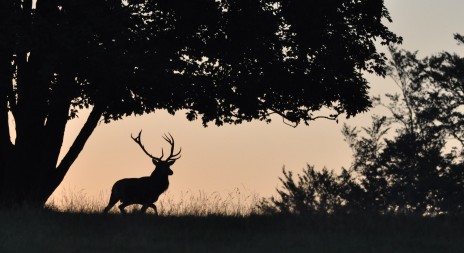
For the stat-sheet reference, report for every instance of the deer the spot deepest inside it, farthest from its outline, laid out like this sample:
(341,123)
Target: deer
(145,190)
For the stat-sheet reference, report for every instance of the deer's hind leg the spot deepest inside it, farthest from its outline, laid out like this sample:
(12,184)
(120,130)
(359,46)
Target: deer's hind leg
(122,206)
(113,200)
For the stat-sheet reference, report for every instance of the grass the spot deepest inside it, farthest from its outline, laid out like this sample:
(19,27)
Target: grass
(238,202)
(206,229)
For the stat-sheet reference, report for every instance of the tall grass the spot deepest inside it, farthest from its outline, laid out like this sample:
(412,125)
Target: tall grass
(239,203)
(200,203)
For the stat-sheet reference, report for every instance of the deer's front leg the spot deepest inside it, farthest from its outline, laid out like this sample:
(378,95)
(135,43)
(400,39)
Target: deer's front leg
(146,206)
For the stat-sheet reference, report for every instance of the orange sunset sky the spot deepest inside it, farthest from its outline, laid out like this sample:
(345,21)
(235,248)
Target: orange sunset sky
(248,156)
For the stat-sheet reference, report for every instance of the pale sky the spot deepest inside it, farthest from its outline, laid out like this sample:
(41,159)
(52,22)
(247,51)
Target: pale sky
(248,156)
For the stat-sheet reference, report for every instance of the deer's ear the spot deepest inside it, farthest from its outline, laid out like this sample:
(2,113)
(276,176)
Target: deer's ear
(155,162)
(171,162)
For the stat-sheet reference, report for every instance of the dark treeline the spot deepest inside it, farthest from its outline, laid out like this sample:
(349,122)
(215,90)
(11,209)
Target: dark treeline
(407,162)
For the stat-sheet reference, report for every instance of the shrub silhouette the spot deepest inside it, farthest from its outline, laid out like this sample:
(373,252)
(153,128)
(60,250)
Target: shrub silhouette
(312,192)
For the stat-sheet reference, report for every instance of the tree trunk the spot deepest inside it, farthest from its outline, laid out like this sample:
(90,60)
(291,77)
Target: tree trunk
(29,179)
(39,100)
(21,186)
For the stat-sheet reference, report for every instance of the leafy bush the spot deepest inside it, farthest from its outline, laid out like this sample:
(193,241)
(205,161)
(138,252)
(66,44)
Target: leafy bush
(313,192)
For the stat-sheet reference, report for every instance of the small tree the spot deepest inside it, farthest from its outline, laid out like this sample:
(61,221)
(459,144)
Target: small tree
(369,175)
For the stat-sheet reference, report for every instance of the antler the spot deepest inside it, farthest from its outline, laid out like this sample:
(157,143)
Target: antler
(170,140)
(138,140)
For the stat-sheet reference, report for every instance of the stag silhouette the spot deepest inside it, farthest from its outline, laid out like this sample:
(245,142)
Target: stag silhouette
(145,190)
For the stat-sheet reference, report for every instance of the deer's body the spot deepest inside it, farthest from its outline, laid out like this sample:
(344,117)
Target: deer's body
(139,190)
(145,190)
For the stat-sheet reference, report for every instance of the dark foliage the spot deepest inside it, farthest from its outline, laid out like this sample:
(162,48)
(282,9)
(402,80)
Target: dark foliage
(317,192)
(409,162)
(222,61)
(314,192)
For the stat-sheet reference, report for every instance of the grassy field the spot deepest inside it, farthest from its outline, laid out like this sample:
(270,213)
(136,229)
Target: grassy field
(52,231)
(200,222)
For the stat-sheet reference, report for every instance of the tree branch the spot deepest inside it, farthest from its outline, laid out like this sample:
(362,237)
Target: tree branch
(295,124)
(284,117)
(78,145)
(58,114)
(5,138)
(5,88)
(6,146)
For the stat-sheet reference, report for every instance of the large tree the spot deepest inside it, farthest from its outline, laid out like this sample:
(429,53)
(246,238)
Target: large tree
(224,61)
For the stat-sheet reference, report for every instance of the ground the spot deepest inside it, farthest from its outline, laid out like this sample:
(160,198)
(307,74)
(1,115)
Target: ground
(52,231)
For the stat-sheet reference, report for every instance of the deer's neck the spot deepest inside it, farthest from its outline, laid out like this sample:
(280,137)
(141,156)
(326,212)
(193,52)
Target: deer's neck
(161,180)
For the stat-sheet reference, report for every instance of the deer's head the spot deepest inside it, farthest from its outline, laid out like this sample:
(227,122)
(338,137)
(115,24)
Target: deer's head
(161,166)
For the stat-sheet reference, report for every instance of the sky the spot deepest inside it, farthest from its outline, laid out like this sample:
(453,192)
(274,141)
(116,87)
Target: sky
(249,156)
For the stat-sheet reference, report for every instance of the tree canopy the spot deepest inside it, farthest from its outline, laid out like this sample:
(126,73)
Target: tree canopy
(221,61)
